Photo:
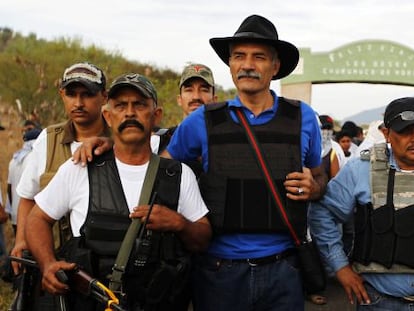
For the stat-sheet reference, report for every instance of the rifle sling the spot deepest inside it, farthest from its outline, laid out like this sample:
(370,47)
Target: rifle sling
(133,229)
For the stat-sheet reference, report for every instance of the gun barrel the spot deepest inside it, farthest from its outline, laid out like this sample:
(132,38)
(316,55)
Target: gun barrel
(25,261)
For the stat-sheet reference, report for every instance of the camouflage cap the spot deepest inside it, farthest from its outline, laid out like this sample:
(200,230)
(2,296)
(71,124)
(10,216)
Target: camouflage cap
(86,74)
(197,71)
(134,80)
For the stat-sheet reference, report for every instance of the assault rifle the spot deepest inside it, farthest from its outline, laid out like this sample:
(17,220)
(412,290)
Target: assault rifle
(77,279)
(26,284)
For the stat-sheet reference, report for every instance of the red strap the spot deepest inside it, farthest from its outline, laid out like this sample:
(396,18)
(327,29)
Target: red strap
(268,177)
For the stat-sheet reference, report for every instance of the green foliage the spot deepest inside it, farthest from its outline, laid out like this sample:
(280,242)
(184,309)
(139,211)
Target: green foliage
(31,68)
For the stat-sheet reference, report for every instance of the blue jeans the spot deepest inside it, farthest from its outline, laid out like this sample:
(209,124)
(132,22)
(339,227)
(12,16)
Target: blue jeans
(223,285)
(381,302)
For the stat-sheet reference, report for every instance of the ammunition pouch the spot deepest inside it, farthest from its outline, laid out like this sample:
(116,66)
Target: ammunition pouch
(157,273)
(74,251)
(245,206)
(384,236)
(98,266)
(103,234)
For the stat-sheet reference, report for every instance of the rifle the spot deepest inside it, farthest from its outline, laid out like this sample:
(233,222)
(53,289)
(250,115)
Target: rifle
(81,282)
(25,282)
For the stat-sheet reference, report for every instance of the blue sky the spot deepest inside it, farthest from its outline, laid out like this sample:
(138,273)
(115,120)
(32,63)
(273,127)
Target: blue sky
(168,34)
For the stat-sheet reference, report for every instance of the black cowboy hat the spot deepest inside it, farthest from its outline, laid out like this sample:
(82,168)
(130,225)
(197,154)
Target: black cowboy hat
(258,29)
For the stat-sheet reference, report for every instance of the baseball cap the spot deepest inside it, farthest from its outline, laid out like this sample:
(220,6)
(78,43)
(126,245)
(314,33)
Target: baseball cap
(134,80)
(197,71)
(399,113)
(327,122)
(86,74)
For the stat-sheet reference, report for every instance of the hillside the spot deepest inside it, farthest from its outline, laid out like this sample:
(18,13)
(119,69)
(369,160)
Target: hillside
(31,68)
(366,117)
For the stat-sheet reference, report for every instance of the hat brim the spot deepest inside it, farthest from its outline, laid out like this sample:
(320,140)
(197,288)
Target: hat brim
(93,87)
(195,77)
(400,125)
(287,52)
(116,87)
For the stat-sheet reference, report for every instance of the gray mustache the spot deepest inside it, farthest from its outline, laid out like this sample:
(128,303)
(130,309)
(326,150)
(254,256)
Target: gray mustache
(248,74)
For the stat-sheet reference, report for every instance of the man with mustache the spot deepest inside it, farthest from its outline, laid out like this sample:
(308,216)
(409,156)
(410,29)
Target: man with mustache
(251,262)
(83,92)
(377,190)
(102,198)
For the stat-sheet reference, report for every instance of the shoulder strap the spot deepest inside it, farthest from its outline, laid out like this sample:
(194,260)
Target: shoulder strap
(215,106)
(135,226)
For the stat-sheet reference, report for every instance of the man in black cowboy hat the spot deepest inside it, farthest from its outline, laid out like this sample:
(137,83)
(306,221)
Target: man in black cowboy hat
(250,262)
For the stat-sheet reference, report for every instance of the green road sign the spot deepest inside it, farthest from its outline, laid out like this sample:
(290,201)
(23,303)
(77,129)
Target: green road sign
(370,61)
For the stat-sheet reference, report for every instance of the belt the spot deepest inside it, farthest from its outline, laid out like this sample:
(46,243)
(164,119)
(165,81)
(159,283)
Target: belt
(267,259)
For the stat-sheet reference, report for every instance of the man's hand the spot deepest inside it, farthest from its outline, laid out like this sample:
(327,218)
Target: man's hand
(162,218)
(353,284)
(90,147)
(17,251)
(50,282)
(299,186)
(194,235)
(307,185)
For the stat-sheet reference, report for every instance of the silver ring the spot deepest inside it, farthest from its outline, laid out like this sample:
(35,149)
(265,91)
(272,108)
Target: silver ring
(300,190)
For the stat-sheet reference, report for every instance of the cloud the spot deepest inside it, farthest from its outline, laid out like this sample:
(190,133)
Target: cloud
(170,33)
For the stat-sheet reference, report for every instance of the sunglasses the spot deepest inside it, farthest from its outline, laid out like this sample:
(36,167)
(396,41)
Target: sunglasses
(405,116)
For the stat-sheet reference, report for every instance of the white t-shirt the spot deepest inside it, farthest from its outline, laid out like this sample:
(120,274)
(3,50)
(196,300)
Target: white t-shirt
(15,172)
(339,153)
(29,184)
(68,191)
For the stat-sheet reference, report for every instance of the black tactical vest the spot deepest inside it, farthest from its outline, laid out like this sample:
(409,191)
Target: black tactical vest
(384,231)
(234,189)
(107,222)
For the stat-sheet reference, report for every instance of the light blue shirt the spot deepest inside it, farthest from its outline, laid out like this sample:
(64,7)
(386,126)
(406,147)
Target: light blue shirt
(350,186)
(190,142)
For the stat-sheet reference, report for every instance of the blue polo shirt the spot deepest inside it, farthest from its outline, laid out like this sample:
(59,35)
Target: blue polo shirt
(189,142)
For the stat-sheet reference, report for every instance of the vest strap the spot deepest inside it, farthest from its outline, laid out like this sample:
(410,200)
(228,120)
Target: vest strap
(135,226)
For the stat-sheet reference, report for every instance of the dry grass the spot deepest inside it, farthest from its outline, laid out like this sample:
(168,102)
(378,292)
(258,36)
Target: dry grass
(11,141)
(6,295)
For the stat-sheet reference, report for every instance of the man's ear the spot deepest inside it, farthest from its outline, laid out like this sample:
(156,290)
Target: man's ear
(276,67)
(106,115)
(179,102)
(158,114)
(386,132)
